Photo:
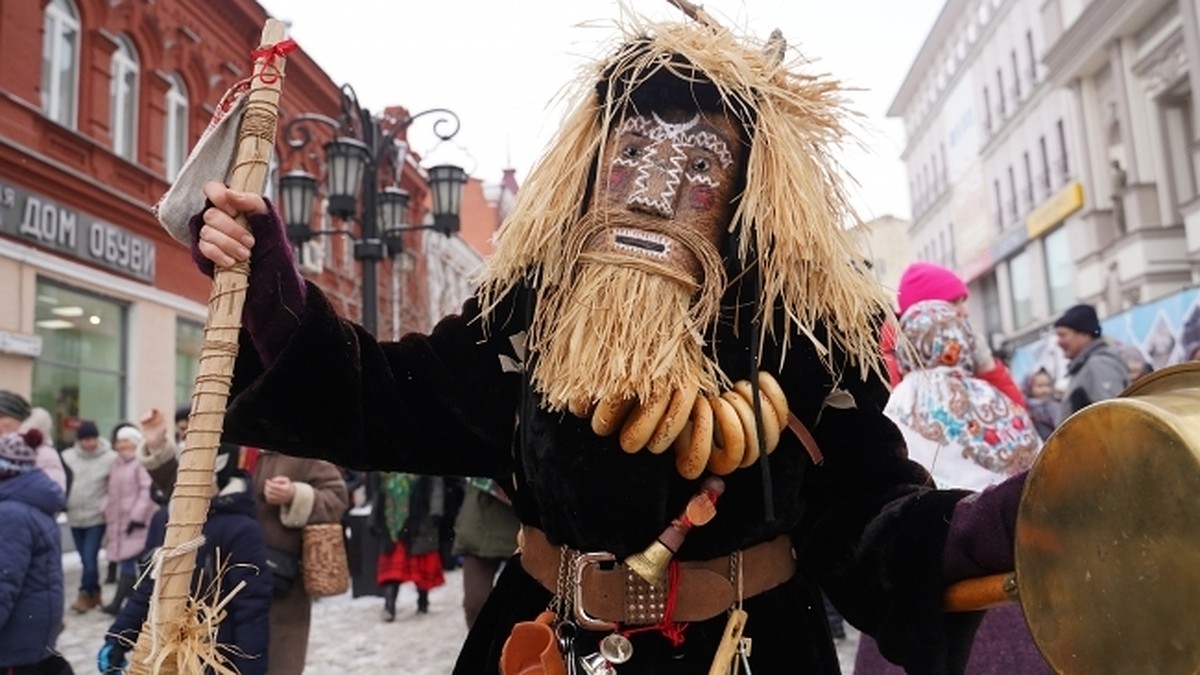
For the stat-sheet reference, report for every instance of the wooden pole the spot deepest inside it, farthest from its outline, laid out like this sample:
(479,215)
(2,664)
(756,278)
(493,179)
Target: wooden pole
(980,593)
(160,647)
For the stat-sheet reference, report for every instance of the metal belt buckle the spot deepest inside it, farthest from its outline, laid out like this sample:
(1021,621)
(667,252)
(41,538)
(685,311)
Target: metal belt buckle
(582,562)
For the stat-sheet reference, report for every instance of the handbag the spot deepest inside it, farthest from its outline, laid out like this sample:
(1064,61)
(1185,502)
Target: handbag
(285,570)
(325,568)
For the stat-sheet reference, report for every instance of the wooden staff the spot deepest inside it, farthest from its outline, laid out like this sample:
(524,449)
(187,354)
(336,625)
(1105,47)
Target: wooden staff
(168,646)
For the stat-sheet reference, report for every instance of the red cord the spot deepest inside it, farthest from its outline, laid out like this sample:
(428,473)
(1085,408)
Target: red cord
(671,630)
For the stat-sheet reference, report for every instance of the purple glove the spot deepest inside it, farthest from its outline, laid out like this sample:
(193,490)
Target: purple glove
(276,295)
(980,540)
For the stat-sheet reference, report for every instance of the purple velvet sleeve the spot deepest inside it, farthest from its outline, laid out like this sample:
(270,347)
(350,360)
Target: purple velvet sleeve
(276,295)
(980,540)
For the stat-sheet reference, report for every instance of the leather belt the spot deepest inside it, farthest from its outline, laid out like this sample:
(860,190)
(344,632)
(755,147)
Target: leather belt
(608,593)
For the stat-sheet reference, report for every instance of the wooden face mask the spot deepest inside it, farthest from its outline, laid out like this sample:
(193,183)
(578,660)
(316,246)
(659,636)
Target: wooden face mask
(665,175)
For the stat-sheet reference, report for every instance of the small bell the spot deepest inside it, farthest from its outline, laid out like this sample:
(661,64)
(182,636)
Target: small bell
(616,648)
(596,664)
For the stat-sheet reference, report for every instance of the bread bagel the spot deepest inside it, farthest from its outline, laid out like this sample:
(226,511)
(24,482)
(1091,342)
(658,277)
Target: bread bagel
(769,386)
(729,441)
(770,418)
(673,419)
(745,413)
(581,407)
(609,415)
(641,422)
(693,445)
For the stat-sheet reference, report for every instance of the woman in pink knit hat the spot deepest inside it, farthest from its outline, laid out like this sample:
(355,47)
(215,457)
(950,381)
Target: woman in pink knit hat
(927,281)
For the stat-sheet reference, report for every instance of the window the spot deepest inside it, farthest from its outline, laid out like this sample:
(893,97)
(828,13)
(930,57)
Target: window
(990,294)
(175,143)
(1029,199)
(945,170)
(1044,179)
(124,99)
(1063,167)
(1012,192)
(1058,270)
(60,61)
(1002,109)
(999,205)
(81,372)
(1016,68)
(1020,287)
(987,107)
(1033,74)
(188,337)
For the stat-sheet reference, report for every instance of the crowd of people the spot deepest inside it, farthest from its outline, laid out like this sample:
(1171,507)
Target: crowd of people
(112,493)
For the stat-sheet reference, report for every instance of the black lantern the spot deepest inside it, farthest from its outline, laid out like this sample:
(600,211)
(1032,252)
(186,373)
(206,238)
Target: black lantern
(393,217)
(446,182)
(345,161)
(373,216)
(297,189)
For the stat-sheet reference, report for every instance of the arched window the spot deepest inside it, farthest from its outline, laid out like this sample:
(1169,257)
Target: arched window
(60,62)
(123,103)
(175,143)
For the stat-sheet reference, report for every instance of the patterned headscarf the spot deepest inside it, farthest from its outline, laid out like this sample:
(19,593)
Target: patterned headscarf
(397,488)
(965,431)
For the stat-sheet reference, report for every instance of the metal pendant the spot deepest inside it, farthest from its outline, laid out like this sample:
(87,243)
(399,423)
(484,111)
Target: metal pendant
(616,648)
(596,664)
(565,632)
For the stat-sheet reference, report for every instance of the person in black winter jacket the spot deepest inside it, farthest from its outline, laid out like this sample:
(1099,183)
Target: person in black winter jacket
(234,551)
(31,578)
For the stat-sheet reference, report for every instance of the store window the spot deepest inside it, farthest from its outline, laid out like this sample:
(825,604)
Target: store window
(82,371)
(1058,271)
(124,91)
(188,337)
(1020,289)
(60,61)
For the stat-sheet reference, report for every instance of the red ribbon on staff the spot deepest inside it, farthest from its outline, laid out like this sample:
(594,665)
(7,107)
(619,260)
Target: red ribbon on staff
(267,73)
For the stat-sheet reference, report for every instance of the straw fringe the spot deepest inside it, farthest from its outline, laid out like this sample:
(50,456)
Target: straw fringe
(794,212)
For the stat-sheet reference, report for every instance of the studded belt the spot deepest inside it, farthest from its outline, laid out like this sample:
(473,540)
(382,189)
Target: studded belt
(608,593)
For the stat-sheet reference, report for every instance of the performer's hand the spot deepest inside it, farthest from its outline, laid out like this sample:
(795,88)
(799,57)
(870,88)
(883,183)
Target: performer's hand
(982,532)
(279,490)
(111,658)
(222,239)
(154,430)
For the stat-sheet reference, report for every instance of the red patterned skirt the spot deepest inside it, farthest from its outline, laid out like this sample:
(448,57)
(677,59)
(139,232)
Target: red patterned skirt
(424,570)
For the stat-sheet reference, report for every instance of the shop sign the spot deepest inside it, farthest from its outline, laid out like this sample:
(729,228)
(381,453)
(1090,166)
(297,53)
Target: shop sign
(1008,243)
(47,223)
(20,344)
(1052,211)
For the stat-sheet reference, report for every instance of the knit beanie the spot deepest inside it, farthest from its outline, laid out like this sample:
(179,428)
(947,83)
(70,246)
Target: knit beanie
(926,281)
(18,453)
(87,429)
(1080,318)
(13,404)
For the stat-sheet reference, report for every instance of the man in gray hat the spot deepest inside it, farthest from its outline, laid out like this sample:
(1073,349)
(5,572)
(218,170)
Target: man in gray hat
(1097,371)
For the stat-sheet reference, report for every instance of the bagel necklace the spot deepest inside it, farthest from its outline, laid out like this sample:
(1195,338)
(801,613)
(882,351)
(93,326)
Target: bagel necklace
(717,433)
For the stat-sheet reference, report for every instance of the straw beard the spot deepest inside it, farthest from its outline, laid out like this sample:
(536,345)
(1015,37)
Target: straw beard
(614,324)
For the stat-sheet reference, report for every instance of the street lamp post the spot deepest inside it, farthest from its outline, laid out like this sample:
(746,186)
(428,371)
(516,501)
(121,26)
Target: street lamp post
(364,145)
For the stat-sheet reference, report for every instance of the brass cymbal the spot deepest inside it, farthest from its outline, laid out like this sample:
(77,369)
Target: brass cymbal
(1108,533)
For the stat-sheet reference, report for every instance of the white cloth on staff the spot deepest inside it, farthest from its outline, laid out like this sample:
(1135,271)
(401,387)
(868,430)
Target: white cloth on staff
(208,161)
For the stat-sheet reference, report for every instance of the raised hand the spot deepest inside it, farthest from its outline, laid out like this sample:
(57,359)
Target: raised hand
(222,240)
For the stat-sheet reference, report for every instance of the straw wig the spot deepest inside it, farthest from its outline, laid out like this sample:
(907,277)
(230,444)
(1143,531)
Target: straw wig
(791,216)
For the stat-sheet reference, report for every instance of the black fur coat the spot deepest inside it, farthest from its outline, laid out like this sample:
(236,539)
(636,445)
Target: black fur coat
(867,527)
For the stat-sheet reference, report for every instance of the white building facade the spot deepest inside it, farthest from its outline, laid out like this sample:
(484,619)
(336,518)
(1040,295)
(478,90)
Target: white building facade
(1015,113)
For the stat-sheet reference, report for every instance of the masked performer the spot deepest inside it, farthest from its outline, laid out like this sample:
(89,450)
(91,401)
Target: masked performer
(673,287)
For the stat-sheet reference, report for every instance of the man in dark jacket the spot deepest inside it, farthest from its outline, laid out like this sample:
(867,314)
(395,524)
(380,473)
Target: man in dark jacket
(31,577)
(1097,371)
(234,551)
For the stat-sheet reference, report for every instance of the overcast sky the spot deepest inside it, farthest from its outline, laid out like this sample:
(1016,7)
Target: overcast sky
(502,65)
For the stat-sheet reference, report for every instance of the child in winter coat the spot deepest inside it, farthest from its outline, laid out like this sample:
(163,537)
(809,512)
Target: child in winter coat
(31,578)
(234,551)
(128,506)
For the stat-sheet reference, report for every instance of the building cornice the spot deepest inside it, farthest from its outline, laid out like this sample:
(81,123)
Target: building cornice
(1078,52)
(932,47)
